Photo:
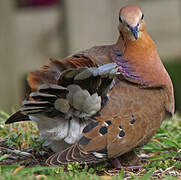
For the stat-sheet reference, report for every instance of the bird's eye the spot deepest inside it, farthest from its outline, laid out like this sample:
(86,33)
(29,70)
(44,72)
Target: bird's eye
(120,20)
(142,16)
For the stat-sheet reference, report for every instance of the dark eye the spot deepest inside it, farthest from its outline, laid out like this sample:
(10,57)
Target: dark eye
(142,16)
(120,20)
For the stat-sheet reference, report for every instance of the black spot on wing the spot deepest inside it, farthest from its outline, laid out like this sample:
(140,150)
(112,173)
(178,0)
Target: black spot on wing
(108,123)
(84,140)
(103,130)
(90,126)
(121,134)
(132,121)
(96,115)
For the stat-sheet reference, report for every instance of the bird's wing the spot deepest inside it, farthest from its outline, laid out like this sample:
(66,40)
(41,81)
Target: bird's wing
(92,147)
(55,93)
(125,120)
(124,123)
(51,72)
(52,84)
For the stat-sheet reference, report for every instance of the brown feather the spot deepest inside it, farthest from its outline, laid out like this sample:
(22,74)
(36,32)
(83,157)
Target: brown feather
(51,72)
(72,154)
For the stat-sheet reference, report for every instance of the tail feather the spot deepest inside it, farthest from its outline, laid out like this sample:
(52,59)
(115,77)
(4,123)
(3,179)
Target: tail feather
(73,154)
(32,110)
(17,117)
(53,89)
(69,154)
(36,104)
(52,160)
(81,156)
(43,96)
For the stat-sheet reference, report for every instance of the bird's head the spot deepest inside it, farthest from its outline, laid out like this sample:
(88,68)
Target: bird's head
(131,23)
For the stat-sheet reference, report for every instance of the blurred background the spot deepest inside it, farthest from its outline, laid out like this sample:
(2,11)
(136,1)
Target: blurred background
(31,31)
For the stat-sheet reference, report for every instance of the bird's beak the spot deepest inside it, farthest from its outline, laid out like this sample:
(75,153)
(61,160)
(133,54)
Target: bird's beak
(134,30)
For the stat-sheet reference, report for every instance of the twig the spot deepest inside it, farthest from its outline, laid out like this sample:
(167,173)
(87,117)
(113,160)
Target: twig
(17,152)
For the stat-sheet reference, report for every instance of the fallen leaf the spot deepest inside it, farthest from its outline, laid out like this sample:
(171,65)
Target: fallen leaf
(17,170)
(40,177)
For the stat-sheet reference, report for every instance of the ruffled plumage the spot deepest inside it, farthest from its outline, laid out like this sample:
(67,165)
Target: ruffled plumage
(102,102)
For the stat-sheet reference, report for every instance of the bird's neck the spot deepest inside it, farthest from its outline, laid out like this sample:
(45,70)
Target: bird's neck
(144,43)
(142,56)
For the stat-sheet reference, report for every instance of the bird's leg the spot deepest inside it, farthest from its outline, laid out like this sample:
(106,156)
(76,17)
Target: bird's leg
(115,163)
(130,160)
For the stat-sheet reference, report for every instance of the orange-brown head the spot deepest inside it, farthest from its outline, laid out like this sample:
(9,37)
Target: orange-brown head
(131,22)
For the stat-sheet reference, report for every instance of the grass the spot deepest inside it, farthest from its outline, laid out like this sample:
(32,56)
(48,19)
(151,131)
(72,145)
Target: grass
(162,156)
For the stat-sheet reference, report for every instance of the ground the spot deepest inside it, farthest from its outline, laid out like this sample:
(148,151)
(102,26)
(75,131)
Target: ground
(22,156)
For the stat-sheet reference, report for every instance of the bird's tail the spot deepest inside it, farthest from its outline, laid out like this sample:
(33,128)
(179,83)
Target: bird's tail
(41,101)
(73,154)
(17,117)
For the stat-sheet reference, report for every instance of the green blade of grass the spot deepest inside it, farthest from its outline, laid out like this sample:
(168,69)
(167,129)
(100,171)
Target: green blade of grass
(3,157)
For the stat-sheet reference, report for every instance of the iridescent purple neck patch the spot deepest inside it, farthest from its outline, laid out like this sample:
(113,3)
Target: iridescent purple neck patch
(126,69)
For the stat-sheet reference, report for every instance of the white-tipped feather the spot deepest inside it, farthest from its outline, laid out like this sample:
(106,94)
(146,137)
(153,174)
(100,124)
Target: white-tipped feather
(98,155)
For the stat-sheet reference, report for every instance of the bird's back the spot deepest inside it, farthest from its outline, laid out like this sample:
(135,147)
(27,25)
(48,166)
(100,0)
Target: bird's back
(102,54)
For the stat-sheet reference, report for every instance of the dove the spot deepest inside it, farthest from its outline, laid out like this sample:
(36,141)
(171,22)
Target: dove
(104,102)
